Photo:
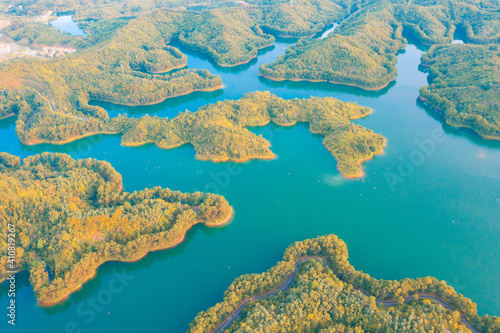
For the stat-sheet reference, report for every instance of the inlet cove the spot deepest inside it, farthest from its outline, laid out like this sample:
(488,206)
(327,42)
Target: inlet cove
(201,181)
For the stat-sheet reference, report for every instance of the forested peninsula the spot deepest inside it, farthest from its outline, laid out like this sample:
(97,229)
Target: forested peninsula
(362,51)
(218,131)
(71,216)
(316,289)
(121,59)
(465,86)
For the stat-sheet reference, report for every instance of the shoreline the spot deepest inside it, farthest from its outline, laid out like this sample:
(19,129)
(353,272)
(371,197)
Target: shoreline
(241,62)
(214,160)
(169,69)
(360,163)
(314,33)
(68,140)
(160,247)
(267,158)
(74,138)
(221,86)
(234,315)
(7,116)
(241,160)
(228,219)
(326,81)
(486,137)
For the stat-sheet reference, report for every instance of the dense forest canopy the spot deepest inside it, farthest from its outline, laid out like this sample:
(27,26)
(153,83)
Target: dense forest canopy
(94,9)
(362,50)
(324,300)
(71,216)
(120,59)
(120,69)
(99,9)
(217,131)
(363,53)
(38,34)
(465,86)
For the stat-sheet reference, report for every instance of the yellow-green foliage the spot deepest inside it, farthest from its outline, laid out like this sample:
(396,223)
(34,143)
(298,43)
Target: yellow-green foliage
(95,9)
(435,22)
(322,300)
(73,80)
(303,18)
(73,215)
(319,302)
(218,131)
(362,51)
(28,32)
(114,66)
(229,36)
(465,85)
(361,54)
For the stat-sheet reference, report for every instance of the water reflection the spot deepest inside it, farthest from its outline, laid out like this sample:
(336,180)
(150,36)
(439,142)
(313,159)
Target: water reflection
(457,131)
(67,25)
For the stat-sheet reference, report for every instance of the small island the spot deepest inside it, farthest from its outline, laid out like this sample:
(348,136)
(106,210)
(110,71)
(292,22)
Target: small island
(465,86)
(315,289)
(71,216)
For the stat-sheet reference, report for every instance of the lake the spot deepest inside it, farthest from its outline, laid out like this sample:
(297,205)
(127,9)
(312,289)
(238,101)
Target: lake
(429,205)
(66,24)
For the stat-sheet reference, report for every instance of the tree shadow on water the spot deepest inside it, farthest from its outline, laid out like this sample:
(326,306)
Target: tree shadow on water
(468,133)
(326,87)
(93,286)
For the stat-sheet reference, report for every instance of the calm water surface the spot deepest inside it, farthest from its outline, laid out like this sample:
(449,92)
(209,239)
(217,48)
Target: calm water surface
(425,207)
(66,24)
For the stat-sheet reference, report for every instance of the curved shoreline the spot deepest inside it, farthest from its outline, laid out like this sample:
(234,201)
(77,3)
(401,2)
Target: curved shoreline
(326,81)
(74,138)
(214,160)
(141,255)
(218,159)
(240,160)
(269,155)
(287,284)
(277,34)
(221,86)
(169,69)
(360,163)
(486,137)
(68,140)
(7,116)
(241,62)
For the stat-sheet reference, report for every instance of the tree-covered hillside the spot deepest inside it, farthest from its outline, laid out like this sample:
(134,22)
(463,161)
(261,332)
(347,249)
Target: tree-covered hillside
(362,50)
(70,216)
(118,61)
(332,296)
(218,131)
(362,54)
(465,86)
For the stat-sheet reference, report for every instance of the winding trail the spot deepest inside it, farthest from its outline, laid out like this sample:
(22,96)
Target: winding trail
(236,313)
(28,123)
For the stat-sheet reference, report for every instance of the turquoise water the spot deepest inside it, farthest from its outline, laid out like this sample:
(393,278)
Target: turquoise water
(437,215)
(66,24)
